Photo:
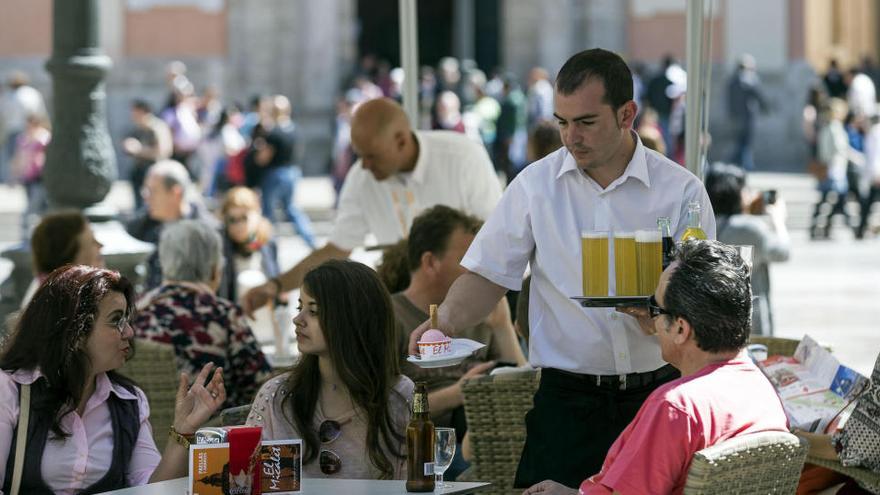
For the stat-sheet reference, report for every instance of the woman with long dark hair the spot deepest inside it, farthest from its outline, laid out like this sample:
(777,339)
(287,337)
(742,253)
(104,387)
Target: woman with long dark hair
(345,397)
(88,427)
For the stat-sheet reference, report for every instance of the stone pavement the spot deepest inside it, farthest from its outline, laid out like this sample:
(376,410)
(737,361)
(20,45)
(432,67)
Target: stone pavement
(829,289)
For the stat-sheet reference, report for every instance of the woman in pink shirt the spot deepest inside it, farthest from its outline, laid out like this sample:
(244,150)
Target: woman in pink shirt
(345,397)
(89,429)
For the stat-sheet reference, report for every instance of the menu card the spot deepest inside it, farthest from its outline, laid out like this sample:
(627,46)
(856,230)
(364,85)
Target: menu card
(814,387)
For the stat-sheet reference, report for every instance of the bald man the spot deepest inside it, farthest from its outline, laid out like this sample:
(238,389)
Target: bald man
(400,173)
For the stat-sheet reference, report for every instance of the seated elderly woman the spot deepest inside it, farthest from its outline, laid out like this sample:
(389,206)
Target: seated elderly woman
(62,238)
(58,382)
(185,312)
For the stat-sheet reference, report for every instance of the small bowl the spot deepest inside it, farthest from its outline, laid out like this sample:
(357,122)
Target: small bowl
(435,349)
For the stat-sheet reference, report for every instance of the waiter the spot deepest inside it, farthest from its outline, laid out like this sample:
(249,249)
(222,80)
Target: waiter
(597,364)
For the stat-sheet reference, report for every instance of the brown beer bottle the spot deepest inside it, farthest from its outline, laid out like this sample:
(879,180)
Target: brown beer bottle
(420,444)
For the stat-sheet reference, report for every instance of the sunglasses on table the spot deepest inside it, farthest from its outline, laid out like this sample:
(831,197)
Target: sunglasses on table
(654,308)
(328,460)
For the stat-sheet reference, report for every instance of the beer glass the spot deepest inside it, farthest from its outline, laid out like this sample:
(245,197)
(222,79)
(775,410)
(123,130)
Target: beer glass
(444,451)
(649,256)
(626,270)
(594,258)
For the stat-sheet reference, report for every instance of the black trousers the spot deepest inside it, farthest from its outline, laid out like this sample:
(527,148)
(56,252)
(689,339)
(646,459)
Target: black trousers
(573,423)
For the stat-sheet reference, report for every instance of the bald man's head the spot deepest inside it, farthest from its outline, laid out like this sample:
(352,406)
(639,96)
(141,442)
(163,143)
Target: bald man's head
(382,137)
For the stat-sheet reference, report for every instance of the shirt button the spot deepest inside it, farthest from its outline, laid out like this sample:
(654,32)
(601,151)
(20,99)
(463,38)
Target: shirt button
(622,355)
(614,315)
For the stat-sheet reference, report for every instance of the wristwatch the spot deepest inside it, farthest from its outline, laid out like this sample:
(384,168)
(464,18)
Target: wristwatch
(180,438)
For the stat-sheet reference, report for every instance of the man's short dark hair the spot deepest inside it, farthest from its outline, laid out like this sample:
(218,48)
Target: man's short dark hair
(142,105)
(600,64)
(724,183)
(431,230)
(711,289)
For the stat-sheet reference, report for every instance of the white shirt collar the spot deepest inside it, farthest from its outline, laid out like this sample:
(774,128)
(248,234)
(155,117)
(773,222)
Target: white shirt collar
(637,167)
(418,173)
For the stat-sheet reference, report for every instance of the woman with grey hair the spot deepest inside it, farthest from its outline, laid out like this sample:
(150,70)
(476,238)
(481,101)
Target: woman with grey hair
(184,311)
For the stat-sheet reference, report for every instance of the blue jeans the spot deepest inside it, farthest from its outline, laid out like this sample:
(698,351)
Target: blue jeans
(744,155)
(278,185)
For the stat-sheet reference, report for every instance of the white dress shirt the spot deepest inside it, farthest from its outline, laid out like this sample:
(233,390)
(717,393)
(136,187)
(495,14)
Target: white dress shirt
(539,221)
(451,170)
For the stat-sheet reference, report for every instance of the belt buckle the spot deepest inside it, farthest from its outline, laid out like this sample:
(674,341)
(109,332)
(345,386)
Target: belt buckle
(622,381)
(598,380)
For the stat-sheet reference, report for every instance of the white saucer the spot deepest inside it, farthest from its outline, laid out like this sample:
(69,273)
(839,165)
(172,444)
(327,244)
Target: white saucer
(461,350)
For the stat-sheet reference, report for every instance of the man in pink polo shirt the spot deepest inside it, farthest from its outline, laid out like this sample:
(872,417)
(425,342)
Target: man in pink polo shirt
(701,314)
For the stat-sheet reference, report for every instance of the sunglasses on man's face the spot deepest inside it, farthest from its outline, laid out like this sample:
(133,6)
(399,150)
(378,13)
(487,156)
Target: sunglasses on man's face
(654,308)
(328,460)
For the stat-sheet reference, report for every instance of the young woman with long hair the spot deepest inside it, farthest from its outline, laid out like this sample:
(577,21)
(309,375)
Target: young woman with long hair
(345,397)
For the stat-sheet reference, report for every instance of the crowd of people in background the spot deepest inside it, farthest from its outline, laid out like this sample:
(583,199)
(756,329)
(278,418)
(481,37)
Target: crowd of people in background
(841,127)
(224,144)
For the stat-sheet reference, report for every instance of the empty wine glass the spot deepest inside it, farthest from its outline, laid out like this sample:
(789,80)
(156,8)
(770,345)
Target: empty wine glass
(444,451)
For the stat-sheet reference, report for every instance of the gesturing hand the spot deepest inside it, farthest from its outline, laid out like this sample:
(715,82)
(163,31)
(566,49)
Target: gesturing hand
(197,403)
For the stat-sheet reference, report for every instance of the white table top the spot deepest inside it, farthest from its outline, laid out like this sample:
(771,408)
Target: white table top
(313,487)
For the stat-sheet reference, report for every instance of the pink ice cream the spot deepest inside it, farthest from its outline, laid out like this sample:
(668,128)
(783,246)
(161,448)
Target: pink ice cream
(434,343)
(434,335)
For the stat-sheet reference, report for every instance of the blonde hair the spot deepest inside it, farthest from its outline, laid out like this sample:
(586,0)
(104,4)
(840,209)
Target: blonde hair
(246,198)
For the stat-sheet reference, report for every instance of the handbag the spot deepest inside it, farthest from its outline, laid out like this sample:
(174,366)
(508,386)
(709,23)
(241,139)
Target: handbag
(21,438)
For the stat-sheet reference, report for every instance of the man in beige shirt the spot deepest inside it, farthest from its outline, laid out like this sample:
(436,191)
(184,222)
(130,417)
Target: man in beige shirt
(438,240)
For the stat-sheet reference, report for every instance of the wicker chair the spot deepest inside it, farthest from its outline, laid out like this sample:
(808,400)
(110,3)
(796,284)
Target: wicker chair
(154,369)
(496,407)
(779,346)
(758,463)
(234,416)
(776,346)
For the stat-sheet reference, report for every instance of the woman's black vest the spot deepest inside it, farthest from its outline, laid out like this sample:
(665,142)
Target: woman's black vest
(124,416)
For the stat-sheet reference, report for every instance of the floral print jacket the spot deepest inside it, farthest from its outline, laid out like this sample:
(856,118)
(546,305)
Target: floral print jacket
(204,328)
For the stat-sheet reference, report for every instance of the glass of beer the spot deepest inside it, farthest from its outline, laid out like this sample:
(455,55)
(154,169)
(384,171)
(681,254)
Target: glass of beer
(594,258)
(626,269)
(649,256)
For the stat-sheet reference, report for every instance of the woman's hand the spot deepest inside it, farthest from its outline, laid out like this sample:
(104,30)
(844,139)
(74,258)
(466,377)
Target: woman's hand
(197,403)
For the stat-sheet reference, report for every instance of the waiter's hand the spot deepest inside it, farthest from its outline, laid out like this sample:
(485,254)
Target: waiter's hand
(421,329)
(641,314)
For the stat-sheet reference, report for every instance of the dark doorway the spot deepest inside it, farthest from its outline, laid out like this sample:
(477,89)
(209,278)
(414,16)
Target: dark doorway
(379,32)
(488,33)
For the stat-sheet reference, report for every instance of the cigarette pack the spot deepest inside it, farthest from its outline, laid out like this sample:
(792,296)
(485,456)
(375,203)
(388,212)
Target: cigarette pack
(282,466)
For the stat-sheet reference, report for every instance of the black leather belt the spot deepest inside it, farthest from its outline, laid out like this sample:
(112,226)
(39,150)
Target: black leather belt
(613,382)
